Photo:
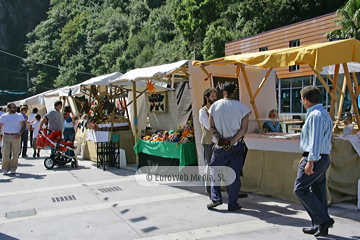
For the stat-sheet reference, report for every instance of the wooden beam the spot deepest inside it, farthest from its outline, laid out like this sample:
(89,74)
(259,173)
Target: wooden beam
(206,72)
(335,86)
(341,102)
(351,91)
(262,83)
(250,94)
(141,93)
(323,82)
(185,72)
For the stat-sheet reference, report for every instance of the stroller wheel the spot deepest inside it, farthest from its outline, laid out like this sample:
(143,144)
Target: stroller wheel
(49,162)
(72,164)
(76,163)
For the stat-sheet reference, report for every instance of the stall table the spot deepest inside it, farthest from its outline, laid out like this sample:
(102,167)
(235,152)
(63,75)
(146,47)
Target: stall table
(184,152)
(271,168)
(126,143)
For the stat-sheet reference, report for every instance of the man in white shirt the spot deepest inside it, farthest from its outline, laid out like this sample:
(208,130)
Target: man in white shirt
(13,125)
(229,121)
(207,139)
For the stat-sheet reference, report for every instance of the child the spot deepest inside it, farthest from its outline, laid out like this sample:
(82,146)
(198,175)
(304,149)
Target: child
(36,127)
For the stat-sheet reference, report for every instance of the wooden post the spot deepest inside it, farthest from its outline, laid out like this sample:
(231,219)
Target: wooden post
(126,107)
(135,117)
(341,102)
(356,86)
(113,111)
(250,94)
(351,91)
(333,90)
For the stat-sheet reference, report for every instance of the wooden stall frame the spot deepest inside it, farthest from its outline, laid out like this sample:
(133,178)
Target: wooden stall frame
(353,87)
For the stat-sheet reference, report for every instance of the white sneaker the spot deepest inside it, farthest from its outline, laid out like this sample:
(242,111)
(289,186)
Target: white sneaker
(5,172)
(12,172)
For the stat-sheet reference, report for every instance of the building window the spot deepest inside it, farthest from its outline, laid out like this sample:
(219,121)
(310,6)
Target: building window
(262,49)
(238,53)
(288,90)
(294,43)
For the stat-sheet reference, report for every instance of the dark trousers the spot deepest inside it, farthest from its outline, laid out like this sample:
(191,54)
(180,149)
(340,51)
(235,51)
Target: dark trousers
(69,135)
(311,190)
(24,142)
(232,158)
(208,150)
(31,138)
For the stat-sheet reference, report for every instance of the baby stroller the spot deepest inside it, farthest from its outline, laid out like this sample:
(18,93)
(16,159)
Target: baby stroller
(53,138)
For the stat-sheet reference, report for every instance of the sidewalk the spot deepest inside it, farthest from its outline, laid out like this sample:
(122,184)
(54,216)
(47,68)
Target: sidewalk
(89,203)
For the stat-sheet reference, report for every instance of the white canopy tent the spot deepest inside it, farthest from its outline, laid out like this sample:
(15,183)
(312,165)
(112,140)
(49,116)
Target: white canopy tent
(154,72)
(135,80)
(75,90)
(353,67)
(36,101)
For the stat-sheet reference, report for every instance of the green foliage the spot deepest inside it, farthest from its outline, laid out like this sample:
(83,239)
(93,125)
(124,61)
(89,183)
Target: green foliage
(349,21)
(103,36)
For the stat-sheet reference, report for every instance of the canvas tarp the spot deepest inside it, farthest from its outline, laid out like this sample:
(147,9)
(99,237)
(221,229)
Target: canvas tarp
(154,72)
(317,55)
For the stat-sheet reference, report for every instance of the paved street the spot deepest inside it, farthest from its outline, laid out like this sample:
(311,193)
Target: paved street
(88,203)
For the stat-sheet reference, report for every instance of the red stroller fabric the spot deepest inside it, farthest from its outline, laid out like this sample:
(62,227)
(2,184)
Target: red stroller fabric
(42,139)
(41,142)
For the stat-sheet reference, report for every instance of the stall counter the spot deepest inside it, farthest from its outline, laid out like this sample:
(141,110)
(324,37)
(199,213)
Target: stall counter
(126,143)
(185,152)
(273,173)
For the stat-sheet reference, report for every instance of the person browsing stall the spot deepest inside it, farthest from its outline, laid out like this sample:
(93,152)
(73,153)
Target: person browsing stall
(315,143)
(207,139)
(272,125)
(69,130)
(13,126)
(54,119)
(229,121)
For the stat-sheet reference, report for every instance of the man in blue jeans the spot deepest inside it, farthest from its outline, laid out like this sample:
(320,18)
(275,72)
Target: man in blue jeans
(229,121)
(315,143)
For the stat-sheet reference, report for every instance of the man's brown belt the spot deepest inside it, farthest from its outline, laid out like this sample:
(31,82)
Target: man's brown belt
(11,133)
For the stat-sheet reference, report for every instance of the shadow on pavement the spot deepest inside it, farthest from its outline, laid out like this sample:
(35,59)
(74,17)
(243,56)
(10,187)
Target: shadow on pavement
(25,165)
(6,237)
(27,175)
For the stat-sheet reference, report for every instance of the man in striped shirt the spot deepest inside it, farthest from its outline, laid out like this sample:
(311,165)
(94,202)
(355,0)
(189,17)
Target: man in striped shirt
(315,143)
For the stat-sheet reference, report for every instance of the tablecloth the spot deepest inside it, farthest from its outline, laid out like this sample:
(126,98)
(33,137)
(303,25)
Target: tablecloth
(185,152)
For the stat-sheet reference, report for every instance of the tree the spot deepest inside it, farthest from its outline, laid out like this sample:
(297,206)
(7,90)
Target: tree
(349,21)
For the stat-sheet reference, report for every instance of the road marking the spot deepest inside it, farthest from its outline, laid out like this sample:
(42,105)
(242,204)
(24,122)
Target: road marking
(67,186)
(95,207)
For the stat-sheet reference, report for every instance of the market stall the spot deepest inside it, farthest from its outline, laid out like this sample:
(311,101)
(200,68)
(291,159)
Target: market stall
(161,103)
(263,167)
